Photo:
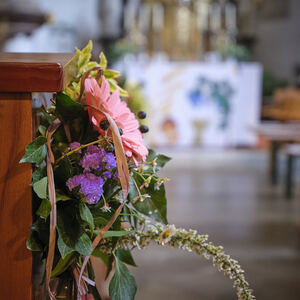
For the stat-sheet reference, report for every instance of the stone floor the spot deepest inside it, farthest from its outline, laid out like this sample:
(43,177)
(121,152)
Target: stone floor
(226,195)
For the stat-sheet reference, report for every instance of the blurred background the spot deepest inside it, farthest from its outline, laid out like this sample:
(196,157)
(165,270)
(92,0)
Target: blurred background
(220,82)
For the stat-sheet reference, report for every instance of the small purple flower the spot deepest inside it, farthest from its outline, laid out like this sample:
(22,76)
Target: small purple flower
(93,149)
(110,160)
(92,187)
(91,161)
(75,145)
(106,174)
(74,181)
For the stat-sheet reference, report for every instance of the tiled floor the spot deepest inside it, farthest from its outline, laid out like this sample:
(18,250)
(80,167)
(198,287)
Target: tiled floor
(226,195)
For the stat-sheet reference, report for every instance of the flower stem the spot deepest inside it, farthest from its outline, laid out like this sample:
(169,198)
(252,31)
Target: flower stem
(77,149)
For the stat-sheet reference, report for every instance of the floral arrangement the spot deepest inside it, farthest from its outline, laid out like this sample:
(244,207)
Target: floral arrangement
(98,193)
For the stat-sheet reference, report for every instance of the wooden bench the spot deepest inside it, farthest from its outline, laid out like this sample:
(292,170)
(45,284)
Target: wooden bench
(20,75)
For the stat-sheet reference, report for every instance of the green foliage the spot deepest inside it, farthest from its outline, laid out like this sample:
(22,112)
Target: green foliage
(122,285)
(271,83)
(32,243)
(154,207)
(35,152)
(161,159)
(104,257)
(44,209)
(103,61)
(112,233)
(86,215)
(125,256)
(84,245)
(38,174)
(63,264)
(63,248)
(67,108)
(114,86)
(40,187)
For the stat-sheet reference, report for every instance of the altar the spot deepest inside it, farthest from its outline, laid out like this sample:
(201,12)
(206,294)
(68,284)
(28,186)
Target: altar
(200,104)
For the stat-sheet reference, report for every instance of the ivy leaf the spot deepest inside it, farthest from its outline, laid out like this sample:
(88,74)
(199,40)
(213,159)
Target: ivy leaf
(40,188)
(103,61)
(32,243)
(154,207)
(161,159)
(111,73)
(86,215)
(63,264)
(44,209)
(35,152)
(125,256)
(68,108)
(63,248)
(84,245)
(84,56)
(38,174)
(68,226)
(122,285)
(114,86)
(62,197)
(71,70)
(104,257)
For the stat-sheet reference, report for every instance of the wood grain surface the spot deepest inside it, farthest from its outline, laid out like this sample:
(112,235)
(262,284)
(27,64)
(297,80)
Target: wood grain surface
(32,72)
(15,196)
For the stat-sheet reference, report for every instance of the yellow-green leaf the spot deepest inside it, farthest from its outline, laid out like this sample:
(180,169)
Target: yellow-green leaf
(111,73)
(103,61)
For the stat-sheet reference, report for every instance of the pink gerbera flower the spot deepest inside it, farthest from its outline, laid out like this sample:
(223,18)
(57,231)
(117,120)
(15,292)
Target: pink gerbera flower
(99,96)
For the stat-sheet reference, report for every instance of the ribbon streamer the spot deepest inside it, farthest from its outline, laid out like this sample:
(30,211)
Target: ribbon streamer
(52,197)
(124,179)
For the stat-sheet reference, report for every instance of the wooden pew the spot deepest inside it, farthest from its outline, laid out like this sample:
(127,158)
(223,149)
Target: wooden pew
(20,75)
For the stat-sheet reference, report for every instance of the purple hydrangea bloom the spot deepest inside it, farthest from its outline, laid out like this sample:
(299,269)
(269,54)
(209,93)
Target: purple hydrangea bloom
(92,187)
(93,149)
(110,160)
(106,174)
(91,161)
(75,145)
(74,181)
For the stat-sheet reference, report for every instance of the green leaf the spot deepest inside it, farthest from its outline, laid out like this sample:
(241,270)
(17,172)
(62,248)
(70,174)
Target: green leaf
(111,73)
(63,248)
(68,108)
(63,264)
(103,256)
(125,256)
(67,225)
(40,188)
(103,61)
(113,86)
(84,245)
(112,233)
(86,215)
(84,56)
(161,159)
(44,209)
(122,285)
(32,243)
(154,207)
(71,70)
(35,151)
(38,174)
(62,197)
